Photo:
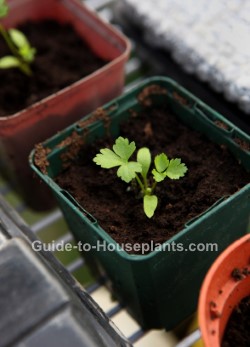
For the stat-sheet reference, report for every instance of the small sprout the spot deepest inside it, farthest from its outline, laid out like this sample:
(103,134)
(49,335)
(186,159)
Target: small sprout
(23,54)
(138,170)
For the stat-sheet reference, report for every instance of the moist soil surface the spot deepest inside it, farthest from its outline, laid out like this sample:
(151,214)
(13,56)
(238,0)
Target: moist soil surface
(212,173)
(62,58)
(237,333)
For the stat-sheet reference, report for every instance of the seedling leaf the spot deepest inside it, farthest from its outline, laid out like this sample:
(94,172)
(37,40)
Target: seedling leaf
(18,38)
(25,50)
(127,171)
(150,203)
(107,159)
(28,53)
(3,9)
(176,169)
(144,158)
(123,148)
(158,176)
(122,152)
(161,162)
(8,62)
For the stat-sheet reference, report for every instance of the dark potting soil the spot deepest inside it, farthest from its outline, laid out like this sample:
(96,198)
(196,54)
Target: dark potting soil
(237,333)
(212,173)
(62,58)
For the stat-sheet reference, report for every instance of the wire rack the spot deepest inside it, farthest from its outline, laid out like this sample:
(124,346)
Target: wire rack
(50,226)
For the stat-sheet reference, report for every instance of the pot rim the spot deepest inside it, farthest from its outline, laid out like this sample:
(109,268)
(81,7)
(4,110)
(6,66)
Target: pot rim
(211,328)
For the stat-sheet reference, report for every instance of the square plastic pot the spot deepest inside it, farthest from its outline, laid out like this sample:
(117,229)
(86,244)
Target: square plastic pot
(19,132)
(160,289)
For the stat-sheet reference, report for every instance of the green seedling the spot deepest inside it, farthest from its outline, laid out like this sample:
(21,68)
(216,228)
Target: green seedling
(139,170)
(23,54)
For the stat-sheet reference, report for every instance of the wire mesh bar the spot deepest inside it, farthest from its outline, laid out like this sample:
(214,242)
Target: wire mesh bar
(75,265)
(113,311)
(63,240)
(136,336)
(5,189)
(46,221)
(190,339)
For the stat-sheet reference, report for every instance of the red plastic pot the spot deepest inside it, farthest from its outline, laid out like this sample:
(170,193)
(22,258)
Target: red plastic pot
(21,131)
(220,292)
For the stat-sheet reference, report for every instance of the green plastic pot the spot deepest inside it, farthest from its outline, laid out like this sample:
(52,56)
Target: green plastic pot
(159,289)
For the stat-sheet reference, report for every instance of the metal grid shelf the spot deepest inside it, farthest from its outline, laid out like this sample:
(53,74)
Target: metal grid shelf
(51,227)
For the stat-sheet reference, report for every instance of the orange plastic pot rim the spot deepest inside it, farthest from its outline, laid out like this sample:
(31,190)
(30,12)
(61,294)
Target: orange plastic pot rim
(222,292)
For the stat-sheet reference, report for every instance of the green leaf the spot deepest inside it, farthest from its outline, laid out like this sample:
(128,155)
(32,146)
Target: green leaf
(122,151)
(107,159)
(123,148)
(144,158)
(27,53)
(150,203)
(18,38)
(158,176)
(127,171)
(8,62)
(21,42)
(161,162)
(176,169)
(4,9)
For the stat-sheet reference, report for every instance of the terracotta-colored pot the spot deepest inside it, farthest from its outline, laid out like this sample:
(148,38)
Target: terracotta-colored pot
(221,292)
(21,131)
